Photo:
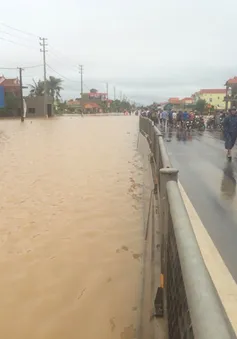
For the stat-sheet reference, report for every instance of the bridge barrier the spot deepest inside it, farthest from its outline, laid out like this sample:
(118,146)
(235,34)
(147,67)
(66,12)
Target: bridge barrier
(186,295)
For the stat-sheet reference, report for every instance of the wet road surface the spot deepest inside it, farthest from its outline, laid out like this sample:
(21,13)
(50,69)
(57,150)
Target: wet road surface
(210,182)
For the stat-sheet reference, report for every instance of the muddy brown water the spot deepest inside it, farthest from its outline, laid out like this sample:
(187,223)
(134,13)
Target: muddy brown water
(71,228)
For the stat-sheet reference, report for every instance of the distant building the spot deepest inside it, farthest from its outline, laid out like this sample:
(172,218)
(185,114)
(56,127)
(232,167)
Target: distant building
(91,102)
(187,101)
(174,101)
(214,97)
(231,93)
(74,103)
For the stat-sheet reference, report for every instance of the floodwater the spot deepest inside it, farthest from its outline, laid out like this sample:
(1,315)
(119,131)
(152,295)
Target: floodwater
(71,228)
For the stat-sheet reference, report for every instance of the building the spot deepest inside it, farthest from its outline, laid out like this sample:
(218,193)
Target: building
(174,101)
(213,97)
(11,86)
(231,93)
(187,101)
(35,106)
(74,104)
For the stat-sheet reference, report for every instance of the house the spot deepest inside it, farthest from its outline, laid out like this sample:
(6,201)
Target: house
(174,101)
(214,97)
(187,101)
(74,103)
(35,106)
(92,107)
(100,99)
(231,93)
(11,85)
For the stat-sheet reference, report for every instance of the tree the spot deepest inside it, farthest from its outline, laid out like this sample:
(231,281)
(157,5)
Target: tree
(54,87)
(93,90)
(37,89)
(200,105)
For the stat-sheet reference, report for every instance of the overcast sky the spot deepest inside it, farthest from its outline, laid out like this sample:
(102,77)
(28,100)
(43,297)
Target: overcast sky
(150,50)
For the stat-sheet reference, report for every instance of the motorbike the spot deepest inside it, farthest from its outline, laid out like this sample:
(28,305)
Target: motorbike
(189,125)
(211,123)
(220,126)
(200,124)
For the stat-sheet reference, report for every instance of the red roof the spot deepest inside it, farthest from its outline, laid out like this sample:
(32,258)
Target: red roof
(173,100)
(187,99)
(91,105)
(231,81)
(213,91)
(9,82)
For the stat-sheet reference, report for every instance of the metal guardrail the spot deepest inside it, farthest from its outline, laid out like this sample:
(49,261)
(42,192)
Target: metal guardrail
(189,298)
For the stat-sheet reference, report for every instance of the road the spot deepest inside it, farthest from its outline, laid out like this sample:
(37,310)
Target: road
(210,183)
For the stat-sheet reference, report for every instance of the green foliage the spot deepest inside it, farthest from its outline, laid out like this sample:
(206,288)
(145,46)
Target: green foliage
(11,105)
(200,105)
(93,90)
(37,89)
(120,106)
(54,87)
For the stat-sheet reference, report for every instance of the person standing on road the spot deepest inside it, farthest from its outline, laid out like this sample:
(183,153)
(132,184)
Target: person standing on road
(179,119)
(164,116)
(230,131)
(185,118)
(170,117)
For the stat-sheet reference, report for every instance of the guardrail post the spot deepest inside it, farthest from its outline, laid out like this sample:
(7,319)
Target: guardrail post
(166,174)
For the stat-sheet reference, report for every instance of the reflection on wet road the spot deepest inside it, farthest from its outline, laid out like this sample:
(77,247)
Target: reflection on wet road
(210,182)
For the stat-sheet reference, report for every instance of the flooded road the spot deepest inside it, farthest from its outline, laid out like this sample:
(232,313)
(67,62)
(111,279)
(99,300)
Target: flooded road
(71,228)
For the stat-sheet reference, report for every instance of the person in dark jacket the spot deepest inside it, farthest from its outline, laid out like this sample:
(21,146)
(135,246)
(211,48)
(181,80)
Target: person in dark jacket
(230,131)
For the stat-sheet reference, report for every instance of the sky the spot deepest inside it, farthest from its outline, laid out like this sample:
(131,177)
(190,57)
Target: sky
(148,50)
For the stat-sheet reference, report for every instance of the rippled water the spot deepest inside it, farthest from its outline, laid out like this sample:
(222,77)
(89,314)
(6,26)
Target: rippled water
(70,230)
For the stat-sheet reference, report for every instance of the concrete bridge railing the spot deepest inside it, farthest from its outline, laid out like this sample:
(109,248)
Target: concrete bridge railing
(186,295)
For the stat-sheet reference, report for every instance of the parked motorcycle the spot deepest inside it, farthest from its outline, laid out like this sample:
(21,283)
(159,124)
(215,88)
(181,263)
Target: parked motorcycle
(200,124)
(211,123)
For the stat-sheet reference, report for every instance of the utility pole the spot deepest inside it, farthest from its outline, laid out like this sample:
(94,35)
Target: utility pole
(107,90)
(107,93)
(43,50)
(121,95)
(114,93)
(81,72)
(21,95)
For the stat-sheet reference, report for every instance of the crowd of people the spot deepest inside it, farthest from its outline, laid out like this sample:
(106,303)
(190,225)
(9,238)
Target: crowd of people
(171,118)
(227,121)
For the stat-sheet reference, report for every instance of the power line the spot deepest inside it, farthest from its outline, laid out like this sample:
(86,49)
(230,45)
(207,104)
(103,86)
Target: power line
(19,30)
(61,61)
(33,66)
(17,43)
(28,39)
(61,75)
(56,52)
(27,67)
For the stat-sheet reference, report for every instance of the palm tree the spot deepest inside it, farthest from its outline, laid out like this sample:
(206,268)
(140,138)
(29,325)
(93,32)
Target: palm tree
(37,89)
(54,87)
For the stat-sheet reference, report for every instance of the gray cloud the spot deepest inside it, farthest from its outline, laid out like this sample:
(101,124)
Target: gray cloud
(149,50)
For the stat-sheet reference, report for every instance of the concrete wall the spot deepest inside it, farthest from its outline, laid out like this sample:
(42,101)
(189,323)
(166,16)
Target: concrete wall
(35,106)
